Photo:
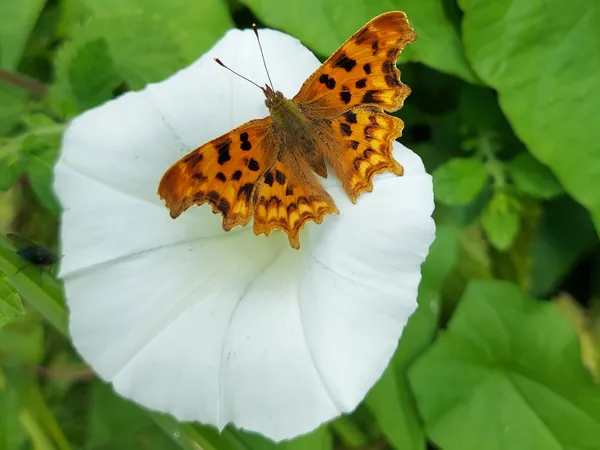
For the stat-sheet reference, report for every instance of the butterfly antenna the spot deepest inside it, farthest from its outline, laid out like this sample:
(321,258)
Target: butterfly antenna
(219,62)
(262,54)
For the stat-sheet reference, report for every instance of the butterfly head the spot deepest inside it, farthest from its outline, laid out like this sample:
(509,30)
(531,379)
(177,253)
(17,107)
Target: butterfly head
(274,97)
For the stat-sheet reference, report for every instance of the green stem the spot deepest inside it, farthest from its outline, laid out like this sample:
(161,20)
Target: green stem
(31,85)
(493,165)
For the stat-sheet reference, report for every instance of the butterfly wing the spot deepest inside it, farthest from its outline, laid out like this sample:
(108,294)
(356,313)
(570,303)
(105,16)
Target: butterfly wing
(222,172)
(287,196)
(346,97)
(363,70)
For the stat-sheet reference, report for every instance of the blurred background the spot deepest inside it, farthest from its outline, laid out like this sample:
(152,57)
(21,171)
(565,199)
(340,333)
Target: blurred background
(503,350)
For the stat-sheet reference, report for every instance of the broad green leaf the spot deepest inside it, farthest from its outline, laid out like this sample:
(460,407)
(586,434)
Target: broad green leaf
(40,172)
(543,59)
(458,181)
(506,374)
(533,178)
(135,41)
(317,440)
(323,25)
(390,400)
(23,340)
(501,220)
(17,19)
(11,305)
(565,235)
(92,74)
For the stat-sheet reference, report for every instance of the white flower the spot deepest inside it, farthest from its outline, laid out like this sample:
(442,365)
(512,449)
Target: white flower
(217,326)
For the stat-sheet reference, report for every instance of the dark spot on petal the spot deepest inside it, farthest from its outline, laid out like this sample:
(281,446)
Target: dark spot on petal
(361,83)
(345,129)
(223,149)
(387,66)
(213,197)
(221,177)
(350,117)
(375,46)
(289,190)
(353,144)
(236,175)
(269,178)
(224,206)
(193,158)
(392,81)
(369,97)
(246,191)
(253,165)
(367,68)
(345,96)
(280,177)
(199,176)
(345,63)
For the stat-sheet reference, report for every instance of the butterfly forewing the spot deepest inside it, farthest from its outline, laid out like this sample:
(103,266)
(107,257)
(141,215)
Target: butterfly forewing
(222,172)
(363,70)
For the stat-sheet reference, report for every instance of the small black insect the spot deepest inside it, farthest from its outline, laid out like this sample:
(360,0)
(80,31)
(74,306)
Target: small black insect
(33,253)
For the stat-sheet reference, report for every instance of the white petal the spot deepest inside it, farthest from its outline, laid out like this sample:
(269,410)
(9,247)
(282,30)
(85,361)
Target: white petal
(228,327)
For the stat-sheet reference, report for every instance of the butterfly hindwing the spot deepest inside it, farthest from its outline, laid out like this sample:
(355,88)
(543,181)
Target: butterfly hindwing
(362,71)
(287,196)
(365,148)
(222,172)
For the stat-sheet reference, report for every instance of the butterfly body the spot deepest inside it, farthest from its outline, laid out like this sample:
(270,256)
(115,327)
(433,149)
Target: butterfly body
(265,169)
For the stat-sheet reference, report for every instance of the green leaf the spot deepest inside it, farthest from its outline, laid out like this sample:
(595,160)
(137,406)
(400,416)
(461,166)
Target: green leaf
(40,172)
(11,432)
(565,235)
(532,177)
(117,424)
(17,20)
(14,105)
(458,181)
(390,400)
(323,25)
(506,374)
(501,220)
(11,305)
(12,164)
(92,74)
(543,59)
(135,41)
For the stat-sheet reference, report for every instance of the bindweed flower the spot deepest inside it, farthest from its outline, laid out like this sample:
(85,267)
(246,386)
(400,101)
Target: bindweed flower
(227,327)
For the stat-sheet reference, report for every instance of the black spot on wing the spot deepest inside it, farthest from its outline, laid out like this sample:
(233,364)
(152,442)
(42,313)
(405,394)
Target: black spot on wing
(345,63)
(387,66)
(327,81)
(224,206)
(350,117)
(375,46)
(280,177)
(253,165)
(367,68)
(361,83)
(223,149)
(289,190)
(246,144)
(199,176)
(392,81)
(221,177)
(345,96)
(353,144)
(269,178)
(236,175)
(245,191)
(369,97)
(193,158)
(345,129)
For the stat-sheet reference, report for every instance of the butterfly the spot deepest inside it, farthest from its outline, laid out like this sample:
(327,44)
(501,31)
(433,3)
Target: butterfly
(266,168)
(31,252)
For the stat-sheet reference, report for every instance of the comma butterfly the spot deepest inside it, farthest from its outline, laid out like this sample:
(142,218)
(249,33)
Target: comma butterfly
(265,168)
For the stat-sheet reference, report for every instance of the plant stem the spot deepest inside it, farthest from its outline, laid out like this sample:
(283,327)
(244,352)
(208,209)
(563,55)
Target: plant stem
(31,85)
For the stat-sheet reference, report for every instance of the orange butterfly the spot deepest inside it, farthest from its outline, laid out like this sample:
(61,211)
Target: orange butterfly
(265,167)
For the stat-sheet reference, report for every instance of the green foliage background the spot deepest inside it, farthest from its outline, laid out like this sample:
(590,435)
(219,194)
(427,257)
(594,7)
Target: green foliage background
(502,352)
